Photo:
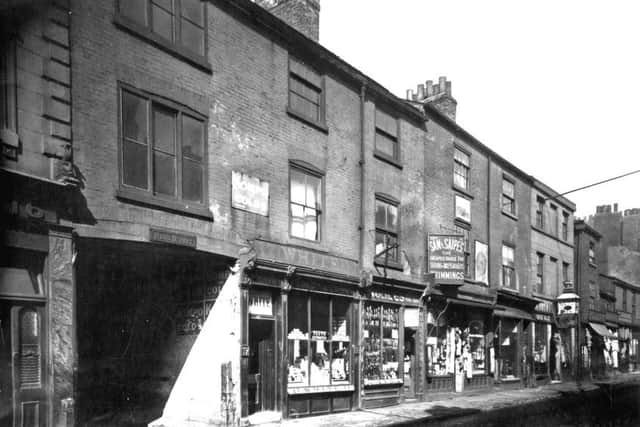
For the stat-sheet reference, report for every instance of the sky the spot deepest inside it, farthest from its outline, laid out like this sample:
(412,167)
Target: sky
(552,86)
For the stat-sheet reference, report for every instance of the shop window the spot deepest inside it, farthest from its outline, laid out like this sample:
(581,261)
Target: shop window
(508,196)
(386,230)
(387,141)
(306,95)
(477,346)
(381,348)
(540,273)
(540,212)
(508,267)
(176,22)
(540,348)
(319,341)
(508,348)
(162,149)
(461,169)
(306,203)
(439,362)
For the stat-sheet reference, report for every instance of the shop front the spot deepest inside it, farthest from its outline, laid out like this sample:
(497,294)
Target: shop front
(600,355)
(634,350)
(540,340)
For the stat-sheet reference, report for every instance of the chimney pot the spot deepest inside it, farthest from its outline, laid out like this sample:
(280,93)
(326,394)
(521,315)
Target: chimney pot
(429,88)
(420,91)
(615,207)
(410,95)
(442,83)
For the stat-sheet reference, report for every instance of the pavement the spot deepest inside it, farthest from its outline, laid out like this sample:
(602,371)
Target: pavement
(452,405)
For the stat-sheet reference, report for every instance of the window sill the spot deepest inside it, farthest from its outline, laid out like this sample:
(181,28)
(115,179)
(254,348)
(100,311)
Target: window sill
(385,158)
(321,126)
(462,191)
(160,42)
(301,242)
(195,210)
(391,265)
(510,215)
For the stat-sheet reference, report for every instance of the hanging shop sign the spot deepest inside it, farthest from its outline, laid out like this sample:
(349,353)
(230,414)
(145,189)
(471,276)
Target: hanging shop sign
(260,303)
(249,193)
(172,238)
(446,258)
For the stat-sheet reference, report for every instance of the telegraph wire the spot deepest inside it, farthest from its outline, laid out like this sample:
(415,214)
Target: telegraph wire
(592,185)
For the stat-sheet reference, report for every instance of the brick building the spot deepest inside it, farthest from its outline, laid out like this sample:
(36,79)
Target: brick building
(386,248)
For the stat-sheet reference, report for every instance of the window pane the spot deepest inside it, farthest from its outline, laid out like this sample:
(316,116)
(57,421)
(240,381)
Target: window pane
(298,190)
(134,9)
(164,174)
(298,336)
(134,117)
(387,123)
(507,255)
(192,188)
(304,106)
(162,22)
(164,130)
(297,220)
(508,188)
(385,145)
(313,191)
(134,164)
(192,138)
(192,37)
(310,224)
(461,157)
(392,217)
(304,90)
(319,340)
(192,10)
(381,214)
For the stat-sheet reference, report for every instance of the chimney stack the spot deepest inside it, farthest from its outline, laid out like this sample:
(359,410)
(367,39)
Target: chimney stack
(303,15)
(438,95)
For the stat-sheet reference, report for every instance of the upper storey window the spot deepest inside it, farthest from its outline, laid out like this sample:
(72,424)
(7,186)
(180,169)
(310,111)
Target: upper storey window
(461,169)
(306,203)
(508,196)
(306,95)
(386,230)
(162,149)
(387,141)
(178,22)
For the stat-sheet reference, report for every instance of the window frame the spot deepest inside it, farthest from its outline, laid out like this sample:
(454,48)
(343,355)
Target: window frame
(175,47)
(511,199)
(465,229)
(457,164)
(309,170)
(149,196)
(389,201)
(539,272)
(566,276)
(565,226)
(292,74)
(378,130)
(540,204)
(553,220)
(510,269)
(591,251)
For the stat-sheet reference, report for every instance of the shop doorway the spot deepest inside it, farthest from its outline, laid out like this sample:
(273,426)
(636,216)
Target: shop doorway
(410,363)
(262,366)
(22,344)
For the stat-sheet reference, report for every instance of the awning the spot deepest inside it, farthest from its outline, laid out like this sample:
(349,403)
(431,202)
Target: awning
(468,303)
(516,313)
(600,329)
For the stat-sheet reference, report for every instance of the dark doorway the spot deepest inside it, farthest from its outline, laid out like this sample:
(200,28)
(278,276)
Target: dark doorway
(409,363)
(22,352)
(262,366)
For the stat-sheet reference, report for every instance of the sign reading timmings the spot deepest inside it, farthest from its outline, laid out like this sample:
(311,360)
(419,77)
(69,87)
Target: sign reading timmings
(446,257)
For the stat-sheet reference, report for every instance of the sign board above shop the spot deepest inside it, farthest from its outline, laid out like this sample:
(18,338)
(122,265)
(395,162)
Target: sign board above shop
(446,258)
(249,194)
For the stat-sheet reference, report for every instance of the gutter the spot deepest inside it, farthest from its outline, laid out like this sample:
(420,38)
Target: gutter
(361,227)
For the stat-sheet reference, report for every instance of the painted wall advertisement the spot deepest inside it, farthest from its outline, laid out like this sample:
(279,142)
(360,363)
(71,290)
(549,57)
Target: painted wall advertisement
(482,263)
(446,258)
(249,193)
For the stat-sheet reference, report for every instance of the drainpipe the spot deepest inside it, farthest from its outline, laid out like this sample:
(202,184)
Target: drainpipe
(363,89)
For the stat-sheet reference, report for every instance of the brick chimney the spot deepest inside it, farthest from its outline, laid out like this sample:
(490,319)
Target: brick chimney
(438,95)
(303,15)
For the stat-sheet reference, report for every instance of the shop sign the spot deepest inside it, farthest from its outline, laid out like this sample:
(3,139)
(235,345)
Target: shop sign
(567,307)
(411,318)
(249,193)
(446,257)
(260,303)
(482,263)
(544,307)
(383,296)
(172,238)
(543,318)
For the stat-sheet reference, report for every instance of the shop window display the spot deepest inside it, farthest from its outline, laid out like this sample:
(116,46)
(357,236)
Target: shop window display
(477,346)
(381,352)
(508,348)
(319,341)
(540,349)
